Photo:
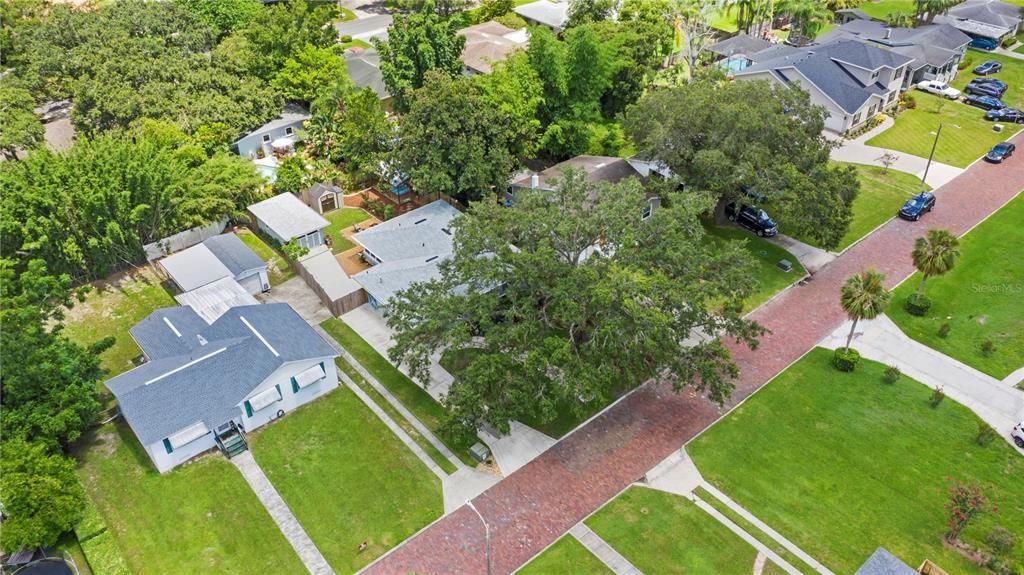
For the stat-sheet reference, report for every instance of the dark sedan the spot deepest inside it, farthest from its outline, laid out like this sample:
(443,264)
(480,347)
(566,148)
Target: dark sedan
(917,206)
(985,102)
(1005,115)
(985,88)
(986,68)
(1000,152)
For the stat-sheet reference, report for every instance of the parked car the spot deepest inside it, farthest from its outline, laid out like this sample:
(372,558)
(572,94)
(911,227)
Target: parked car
(989,67)
(917,206)
(984,44)
(1000,152)
(1018,434)
(1001,84)
(753,218)
(985,102)
(1005,115)
(940,89)
(985,88)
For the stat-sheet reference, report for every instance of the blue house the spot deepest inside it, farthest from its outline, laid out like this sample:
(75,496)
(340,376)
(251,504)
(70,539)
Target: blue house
(281,132)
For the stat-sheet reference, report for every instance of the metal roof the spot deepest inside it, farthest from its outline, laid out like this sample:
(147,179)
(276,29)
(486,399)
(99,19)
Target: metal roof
(195,267)
(551,14)
(288,216)
(208,381)
(214,299)
(324,267)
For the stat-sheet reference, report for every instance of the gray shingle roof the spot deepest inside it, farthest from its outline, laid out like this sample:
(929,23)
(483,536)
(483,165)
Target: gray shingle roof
(364,70)
(882,562)
(992,12)
(823,67)
(234,254)
(291,114)
(208,381)
(168,332)
(933,44)
(597,169)
(739,44)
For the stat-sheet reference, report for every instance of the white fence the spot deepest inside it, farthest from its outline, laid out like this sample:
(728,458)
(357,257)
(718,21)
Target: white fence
(182,240)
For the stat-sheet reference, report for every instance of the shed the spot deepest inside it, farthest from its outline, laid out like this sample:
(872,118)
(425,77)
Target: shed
(340,293)
(284,217)
(323,197)
(222,256)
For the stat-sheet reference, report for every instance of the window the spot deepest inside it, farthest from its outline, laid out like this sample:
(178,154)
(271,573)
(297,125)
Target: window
(308,377)
(646,213)
(185,436)
(288,131)
(266,138)
(262,400)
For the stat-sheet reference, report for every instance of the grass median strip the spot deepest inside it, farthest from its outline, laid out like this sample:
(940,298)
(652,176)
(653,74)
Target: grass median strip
(393,413)
(416,399)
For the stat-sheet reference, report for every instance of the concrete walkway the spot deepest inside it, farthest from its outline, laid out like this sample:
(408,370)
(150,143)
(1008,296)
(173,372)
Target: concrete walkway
(303,300)
(281,514)
(1014,378)
(812,258)
(520,446)
(1009,53)
(856,151)
(603,551)
(742,534)
(999,404)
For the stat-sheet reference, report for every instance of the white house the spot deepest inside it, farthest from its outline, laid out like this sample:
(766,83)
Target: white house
(545,13)
(852,80)
(284,217)
(219,257)
(405,250)
(280,133)
(205,385)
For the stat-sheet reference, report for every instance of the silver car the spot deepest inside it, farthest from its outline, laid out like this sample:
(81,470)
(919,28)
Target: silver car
(1018,434)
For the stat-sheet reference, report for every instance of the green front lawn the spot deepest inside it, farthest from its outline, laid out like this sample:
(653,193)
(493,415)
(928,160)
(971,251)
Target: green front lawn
(343,218)
(347,478)
(416,399)
(278,270)
(566,557)
(980,298)
(665,533)
(772,279)
(965,137)
(199,518)
(881,195)
(112,310)
(883,8)
(1012,73)
(842,463)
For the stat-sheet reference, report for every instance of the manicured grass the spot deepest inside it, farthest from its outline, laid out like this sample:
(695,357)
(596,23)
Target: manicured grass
(347,478)
(566,557)
(340,219)
(753,530)
(842,463)
(355,43)
(199,518)
(393,413)
(113,309)
(566,419)
(980,298)
(914,131)
(664,533)
(881,195)
(278,270)
(413,396)
(772,279)
(883,8)
(1012,73)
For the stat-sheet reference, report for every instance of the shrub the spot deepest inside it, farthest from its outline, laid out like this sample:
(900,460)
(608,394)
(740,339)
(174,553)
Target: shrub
(965,501)
(1001,541)
(917,304)
(512,20)
(909,102)
(986,435)
(944,330)
(936,397)
(988,347)
(345,39)
(966,62)
(1009,41)
(891,375)
(845,359)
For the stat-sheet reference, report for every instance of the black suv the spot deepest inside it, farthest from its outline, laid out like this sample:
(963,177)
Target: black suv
(754,219)
(917,206)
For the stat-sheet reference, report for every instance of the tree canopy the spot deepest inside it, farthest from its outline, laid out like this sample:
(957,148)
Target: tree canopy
(306,72)
(554,320)
(418,43)
(42,496)
(89,210)
(224,15)
(754,136)
(20,128)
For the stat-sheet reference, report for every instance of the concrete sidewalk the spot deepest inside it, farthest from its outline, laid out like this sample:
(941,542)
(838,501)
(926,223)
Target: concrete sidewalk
(857,151)
(999,404)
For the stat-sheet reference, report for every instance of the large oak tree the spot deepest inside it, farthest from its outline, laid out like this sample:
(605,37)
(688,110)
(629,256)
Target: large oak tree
(725,137)
(555,322)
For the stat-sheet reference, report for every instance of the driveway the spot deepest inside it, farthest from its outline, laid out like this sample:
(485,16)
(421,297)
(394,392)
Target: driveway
(534,506)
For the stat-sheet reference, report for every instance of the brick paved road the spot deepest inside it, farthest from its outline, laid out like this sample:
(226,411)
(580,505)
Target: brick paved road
(544,499)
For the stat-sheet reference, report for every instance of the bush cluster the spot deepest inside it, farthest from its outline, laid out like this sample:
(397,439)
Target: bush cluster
(892,374)
(845,359)
(917,304)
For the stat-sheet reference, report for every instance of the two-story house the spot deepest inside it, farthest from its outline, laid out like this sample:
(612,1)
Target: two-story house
(852,80)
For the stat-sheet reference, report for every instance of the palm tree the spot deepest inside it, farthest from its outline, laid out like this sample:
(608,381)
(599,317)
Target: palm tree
(935,255)
(863,297)
(927,10)
(808,16)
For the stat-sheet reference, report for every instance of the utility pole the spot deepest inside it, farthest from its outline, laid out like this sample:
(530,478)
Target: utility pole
(487,535)
(924,178)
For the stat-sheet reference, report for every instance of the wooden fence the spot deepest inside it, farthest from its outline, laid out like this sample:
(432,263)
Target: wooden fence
(337,306)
